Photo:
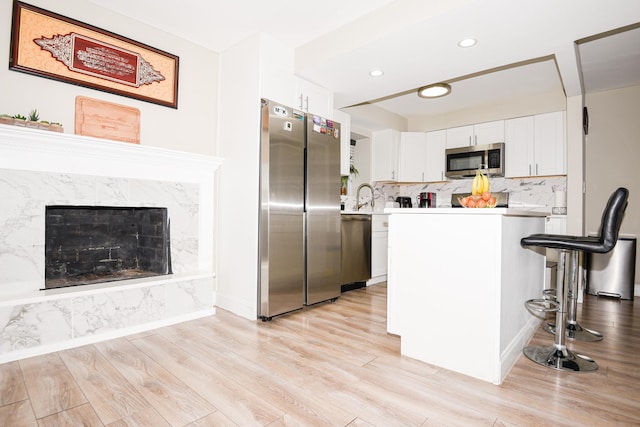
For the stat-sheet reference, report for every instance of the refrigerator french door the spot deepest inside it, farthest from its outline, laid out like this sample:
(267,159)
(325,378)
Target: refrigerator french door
(322,209)
(281,222)
(299,218)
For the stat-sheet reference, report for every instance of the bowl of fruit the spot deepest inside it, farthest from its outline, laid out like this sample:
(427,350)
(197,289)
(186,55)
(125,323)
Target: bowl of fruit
(480,193)
(484,200)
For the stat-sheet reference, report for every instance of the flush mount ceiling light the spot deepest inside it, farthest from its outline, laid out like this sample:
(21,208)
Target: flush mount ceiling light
(376,73)
(467,42)
(434,91)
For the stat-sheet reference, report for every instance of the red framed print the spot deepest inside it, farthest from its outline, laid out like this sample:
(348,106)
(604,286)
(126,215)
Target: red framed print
(53,46)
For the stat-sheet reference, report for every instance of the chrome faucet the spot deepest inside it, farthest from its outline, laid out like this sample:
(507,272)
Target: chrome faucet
(358,204)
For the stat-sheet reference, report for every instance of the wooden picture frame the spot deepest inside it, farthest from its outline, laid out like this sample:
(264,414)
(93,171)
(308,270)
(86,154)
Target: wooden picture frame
(57,47)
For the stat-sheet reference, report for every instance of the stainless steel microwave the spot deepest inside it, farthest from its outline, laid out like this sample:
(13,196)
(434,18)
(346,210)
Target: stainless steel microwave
(464,161)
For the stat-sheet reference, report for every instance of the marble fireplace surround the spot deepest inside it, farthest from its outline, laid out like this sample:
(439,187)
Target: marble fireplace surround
(40,168)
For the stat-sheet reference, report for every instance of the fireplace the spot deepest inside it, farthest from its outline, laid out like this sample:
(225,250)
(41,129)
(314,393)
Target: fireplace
(94,244)
(104,178)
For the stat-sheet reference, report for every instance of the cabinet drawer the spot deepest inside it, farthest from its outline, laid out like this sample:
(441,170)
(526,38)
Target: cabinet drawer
(380,222)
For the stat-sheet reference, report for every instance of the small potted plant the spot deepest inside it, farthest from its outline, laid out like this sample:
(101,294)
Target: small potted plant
(6,119)
(33,119)
(344,180)
(19,120)
(56,127)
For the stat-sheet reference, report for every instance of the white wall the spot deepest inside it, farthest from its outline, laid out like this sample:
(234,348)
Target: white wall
(612,156)
(535,104)
(374,118)
(192,127)
(239,145)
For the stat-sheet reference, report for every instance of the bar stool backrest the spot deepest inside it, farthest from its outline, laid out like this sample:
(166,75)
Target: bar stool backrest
(612,220)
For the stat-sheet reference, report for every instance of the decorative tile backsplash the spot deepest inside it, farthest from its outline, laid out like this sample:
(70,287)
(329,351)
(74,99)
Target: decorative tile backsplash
(535,193)
(22,223)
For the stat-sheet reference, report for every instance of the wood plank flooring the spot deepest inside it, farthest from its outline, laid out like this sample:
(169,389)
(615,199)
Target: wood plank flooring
(329,365)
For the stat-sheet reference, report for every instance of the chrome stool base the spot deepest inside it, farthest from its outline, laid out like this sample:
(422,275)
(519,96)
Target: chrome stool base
(576,332)
(561,359)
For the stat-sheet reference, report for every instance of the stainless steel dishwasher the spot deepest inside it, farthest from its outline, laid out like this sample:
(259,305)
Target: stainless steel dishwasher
(356,250)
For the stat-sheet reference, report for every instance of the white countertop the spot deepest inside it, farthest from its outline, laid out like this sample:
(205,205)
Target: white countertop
(364,213)
(467,211)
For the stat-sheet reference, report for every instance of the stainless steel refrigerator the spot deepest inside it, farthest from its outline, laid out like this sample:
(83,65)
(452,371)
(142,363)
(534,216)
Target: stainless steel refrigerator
(299,226)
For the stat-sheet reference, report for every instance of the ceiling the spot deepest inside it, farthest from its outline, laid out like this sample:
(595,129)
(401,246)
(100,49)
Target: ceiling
(523,48)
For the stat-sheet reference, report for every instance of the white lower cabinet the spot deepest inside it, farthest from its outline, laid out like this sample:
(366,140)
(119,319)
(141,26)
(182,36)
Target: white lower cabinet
(379,243)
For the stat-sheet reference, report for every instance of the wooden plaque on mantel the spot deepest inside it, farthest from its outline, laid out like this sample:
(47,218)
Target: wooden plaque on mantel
(102,119)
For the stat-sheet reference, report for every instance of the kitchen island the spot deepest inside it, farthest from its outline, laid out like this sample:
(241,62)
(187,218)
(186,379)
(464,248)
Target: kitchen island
(457,283)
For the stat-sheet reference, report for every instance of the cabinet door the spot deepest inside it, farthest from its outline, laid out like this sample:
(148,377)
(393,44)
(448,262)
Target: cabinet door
(345,140)
(461,136)
(518,139)
(413,154)
(488,133)
(550,144)
(379,241)
(313,99)
(384,155)
(434,166)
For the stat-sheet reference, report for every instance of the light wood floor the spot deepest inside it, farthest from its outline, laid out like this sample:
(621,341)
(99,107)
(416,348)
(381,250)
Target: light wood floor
(331,365)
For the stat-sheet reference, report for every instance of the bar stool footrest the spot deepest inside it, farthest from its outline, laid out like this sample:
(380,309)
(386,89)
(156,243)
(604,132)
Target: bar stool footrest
(561,359)
(576,332)
(541,305)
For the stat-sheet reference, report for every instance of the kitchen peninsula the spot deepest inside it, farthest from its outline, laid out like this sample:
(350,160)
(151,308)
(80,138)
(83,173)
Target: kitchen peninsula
(457,283)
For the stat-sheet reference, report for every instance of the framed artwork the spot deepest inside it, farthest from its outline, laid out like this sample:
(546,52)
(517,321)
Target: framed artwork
(57,47)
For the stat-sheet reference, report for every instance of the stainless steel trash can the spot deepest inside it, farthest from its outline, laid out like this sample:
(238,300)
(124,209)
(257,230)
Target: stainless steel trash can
(613,274)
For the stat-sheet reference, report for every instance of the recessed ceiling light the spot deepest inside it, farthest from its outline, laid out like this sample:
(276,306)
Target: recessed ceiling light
(467,42)
(434,91)
(376,73)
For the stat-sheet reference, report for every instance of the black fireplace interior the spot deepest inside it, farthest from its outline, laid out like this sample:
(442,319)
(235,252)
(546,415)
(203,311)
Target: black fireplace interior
(93,244)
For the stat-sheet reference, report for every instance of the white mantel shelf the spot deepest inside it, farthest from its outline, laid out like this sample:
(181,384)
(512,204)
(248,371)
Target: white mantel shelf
(39,150)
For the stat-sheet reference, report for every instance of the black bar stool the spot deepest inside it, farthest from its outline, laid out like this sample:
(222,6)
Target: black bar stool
(558,356)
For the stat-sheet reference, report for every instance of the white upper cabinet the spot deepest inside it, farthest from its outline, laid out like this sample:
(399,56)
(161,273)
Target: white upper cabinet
(488,133)
(345,140)
(384,155)
(519,140)
(312,98)
(277,81)
(435,144)
(461,136)
(413,157)
(535,145)
(478,134)
(279,84)
(550,144)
